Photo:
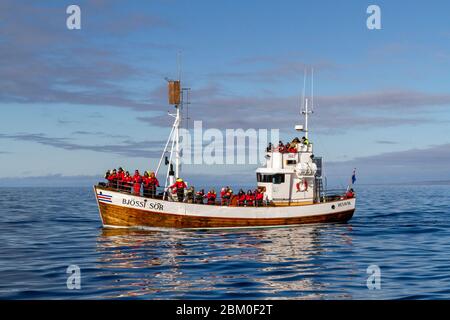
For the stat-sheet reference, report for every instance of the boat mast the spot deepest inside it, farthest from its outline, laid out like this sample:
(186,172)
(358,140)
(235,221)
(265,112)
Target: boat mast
(178,119)
(177,142)
(174,92)
(306,111)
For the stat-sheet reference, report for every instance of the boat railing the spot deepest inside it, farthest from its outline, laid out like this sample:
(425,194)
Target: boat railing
(159,193)
(333,194)
(128,188)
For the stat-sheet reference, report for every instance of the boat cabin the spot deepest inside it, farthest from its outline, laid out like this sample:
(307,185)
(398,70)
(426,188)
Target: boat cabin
(291,178)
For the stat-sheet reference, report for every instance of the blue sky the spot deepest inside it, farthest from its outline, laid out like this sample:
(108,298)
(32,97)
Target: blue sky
(76,102)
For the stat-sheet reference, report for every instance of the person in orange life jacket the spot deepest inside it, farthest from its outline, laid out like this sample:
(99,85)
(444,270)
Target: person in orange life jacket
(179,187)
(199,195)
(120,176)
(112,179)
(259,197)
(137,180)
(211,197)
(249,198)
(350,194)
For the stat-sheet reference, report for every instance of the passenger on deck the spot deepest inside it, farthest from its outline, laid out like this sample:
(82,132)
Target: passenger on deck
(153,183)
(190,193)
(211,197)
(112,179)
(291,147)
(120,176)
(350,194)
(281,148)
(145,184)
(127,182)
(305,141)
(225,195)
(223,191)
(249,199)
(199,195)
(269,147)
(241,197)
(137,180)
(179,187)
(259,197)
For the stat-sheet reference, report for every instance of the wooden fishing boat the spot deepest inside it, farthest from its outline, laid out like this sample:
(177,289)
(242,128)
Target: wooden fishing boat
(291,181)
(119,209)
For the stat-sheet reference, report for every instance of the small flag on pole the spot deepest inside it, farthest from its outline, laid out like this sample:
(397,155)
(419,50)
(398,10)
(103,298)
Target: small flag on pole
(354,176)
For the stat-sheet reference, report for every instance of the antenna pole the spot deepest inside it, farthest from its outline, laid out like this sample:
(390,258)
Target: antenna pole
(302,105)
(177,121)
(177,144)
(312,88)
(179,66)
(306,118)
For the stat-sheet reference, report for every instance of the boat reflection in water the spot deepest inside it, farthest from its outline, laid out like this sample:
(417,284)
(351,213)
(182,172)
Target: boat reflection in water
(253,264)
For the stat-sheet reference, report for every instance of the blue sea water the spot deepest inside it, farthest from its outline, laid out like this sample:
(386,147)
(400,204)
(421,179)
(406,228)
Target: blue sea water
(404,230)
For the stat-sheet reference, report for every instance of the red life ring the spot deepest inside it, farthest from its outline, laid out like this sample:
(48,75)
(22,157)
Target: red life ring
(302,185)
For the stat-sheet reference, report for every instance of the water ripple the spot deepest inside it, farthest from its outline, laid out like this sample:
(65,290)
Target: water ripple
(403,229)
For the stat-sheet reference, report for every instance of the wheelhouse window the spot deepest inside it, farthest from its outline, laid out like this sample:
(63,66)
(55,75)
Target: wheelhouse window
(267,178)
(278,178)
(270,178)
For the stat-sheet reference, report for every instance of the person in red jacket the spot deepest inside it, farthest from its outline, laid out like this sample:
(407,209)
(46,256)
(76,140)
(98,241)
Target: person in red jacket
(241,197)
(249,199)
(153,183)
(137,180)
(259,197)
(211,197)
(225,195)
(112,179)
(127,182)
(350,194)
(281,148)
(292,148)
(223,191)
(179,187)
(120,176)
(145,184)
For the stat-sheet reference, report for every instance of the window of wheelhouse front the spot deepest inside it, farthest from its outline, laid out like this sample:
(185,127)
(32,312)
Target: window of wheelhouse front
(278,178)
(270,178)
(267,178)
